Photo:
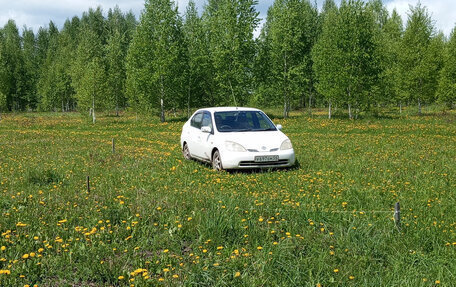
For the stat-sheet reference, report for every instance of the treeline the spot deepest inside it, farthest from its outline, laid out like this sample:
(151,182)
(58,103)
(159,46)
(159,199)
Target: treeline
(356,55)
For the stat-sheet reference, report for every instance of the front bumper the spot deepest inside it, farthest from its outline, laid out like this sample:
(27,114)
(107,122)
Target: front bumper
(246,160)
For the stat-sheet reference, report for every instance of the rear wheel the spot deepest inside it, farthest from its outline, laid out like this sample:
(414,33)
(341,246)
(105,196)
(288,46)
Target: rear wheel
(186,152)
(217,161)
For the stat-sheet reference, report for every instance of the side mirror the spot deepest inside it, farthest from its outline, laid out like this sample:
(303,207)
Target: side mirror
(279,127)
(206,129)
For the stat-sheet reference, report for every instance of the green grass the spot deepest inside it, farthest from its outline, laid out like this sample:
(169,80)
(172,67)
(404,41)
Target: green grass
(328,221)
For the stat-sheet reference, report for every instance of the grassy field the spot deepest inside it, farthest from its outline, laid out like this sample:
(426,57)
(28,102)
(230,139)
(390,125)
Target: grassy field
(152,218)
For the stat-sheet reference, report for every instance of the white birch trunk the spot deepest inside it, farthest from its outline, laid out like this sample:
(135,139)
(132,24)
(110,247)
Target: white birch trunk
(162,106)
(93,110)
(329,110)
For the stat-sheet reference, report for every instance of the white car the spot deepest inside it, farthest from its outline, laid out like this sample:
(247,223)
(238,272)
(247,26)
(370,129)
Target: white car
(236,138)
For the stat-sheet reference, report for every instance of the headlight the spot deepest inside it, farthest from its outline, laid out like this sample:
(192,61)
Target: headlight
(232,146)
(286,145)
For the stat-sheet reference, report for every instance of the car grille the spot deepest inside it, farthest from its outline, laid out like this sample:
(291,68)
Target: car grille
(255,150)
(270,163)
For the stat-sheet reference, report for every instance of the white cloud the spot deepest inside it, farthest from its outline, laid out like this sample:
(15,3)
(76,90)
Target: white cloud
(38,13)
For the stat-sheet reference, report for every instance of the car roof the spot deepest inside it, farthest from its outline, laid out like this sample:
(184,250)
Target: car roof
(227,109)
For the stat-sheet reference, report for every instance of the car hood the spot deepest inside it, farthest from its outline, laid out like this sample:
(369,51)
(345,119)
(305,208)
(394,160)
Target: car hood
(259,141)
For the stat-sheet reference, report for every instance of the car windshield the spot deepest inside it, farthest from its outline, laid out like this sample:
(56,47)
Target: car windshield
(243,121)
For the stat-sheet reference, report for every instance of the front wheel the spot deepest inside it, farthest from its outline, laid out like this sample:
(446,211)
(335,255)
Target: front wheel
(217,161)
(186,152)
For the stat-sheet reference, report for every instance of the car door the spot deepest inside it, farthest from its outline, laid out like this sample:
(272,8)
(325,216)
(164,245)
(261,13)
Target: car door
(194,133)
(204,139)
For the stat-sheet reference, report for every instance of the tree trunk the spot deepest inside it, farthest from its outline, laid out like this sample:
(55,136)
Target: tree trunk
(63,106)
(350,112)
(117,105)
(329,110)
(162,106)
(400,108)
(232,93)
(93,110)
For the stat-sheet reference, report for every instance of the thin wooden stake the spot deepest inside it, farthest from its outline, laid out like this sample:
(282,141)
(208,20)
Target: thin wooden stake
(88,184)
(397,215)
(113,145)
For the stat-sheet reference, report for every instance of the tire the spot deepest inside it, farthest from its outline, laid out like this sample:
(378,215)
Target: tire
(217,161)
(186,152)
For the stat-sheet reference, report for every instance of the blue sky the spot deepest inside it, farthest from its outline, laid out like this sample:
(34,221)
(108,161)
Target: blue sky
(36,13)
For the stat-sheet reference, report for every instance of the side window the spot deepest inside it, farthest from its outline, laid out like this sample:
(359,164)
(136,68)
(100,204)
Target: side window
(196,120)
(207,121)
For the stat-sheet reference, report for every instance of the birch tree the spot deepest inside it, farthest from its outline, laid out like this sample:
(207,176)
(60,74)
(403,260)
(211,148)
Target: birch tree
(345,55)
(292,31)
(230,25)
(447,82)
(418,82)
(153,58)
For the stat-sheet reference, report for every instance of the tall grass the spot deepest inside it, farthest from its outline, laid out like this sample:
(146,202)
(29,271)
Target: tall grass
(152,218)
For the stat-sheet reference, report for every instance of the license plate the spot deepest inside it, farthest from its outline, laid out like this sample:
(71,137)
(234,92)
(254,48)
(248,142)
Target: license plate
(266,158)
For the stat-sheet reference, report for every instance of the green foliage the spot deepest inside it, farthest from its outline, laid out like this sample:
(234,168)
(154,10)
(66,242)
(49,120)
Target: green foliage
(3,103)
(355,55)
(447,83)
(30,68)
(200,87)
(89,67)
(389,49)
(12,75)
(154,59)
(345,55)
(418,65)
(48,45)
(116,52)
(230,25)
(288,41)
(93,85)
